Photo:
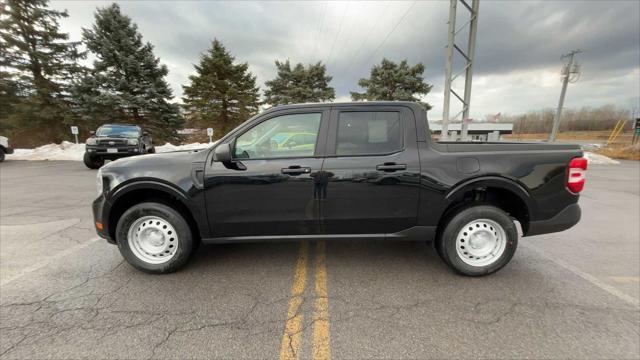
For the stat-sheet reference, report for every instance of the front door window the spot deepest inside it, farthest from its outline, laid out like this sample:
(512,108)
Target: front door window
(284,136)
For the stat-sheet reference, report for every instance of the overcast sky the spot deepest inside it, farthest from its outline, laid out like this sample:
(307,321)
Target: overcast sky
(518,50)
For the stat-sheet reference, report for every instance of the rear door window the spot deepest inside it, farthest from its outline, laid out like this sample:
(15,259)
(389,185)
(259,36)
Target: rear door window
(368,133)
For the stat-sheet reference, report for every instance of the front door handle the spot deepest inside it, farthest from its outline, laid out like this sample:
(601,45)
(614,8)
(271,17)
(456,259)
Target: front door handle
(296,170)
(391,167)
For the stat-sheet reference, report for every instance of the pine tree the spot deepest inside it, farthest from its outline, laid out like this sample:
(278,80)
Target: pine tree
(299,85)
(127,81)
(395,82)
(221,94)
(41,63)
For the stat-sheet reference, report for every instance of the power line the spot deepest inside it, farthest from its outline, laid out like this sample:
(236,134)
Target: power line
(391,32)
(324,13)
(364,42)
(338,33)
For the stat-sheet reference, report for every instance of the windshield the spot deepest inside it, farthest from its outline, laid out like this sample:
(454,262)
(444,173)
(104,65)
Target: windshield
(119,131)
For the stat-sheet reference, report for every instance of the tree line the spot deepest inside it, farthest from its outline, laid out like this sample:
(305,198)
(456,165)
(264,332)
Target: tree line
(45,88)
(585,119)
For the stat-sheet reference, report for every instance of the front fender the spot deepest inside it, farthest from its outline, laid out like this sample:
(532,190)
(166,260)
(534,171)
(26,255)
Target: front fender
(150,183)
(118,198)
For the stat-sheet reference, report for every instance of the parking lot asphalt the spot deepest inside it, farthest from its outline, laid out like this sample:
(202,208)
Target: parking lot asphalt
(64,293)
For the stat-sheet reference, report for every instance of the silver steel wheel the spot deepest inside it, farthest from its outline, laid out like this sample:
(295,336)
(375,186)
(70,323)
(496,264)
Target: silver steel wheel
(152,239)
(481,242)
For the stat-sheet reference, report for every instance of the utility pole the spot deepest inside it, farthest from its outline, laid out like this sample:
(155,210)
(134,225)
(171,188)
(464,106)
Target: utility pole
(570,73)
(468,68)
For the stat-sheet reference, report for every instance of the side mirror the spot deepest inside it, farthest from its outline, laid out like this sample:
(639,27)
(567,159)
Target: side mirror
(92,132)
(222,153)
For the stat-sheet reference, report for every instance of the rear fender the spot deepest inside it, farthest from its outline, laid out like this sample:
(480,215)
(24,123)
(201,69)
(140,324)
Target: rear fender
(498,182)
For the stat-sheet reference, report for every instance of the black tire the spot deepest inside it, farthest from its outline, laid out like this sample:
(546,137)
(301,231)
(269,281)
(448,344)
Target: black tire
(448,242)
(1,155)
(151,150)
(185,240)
(91,162)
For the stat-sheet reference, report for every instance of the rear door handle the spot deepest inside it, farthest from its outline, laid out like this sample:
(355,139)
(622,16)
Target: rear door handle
(296,170)
(391,167)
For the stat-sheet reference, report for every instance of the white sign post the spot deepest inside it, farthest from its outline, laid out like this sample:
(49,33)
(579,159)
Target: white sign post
(74,131)
(210,134)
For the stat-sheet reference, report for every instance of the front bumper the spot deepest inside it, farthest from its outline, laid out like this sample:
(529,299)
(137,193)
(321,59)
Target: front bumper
(120,151)
(565,219)
(101,207)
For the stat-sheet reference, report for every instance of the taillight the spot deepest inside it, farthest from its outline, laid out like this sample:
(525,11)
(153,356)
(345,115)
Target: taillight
(575,175)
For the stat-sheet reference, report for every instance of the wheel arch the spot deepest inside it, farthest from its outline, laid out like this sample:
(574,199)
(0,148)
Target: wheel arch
(504,193)
(137,192)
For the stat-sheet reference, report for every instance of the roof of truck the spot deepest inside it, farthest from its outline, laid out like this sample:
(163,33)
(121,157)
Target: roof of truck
(119,124)
(347,103)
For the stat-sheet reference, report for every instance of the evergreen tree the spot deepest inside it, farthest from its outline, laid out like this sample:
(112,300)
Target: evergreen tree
(299,85)
(395,82)
(41,62)
(221,94)
(127,81)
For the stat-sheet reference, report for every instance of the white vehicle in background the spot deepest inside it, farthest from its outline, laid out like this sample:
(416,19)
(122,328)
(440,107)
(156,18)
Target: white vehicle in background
(4,148)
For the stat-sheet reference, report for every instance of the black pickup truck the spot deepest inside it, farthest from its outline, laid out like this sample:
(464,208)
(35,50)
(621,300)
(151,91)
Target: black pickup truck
(344,171)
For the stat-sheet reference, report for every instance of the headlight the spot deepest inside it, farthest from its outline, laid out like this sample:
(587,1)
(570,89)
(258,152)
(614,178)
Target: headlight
(99,182)
(92,141)
(132,141)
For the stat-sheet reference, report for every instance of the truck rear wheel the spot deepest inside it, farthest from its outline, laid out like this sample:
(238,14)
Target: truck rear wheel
(478,240)
(154,238)
(92,163)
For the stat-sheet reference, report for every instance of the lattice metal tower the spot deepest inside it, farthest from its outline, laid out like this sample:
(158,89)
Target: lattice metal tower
(467,55)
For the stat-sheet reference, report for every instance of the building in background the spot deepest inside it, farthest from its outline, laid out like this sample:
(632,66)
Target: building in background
(476,132)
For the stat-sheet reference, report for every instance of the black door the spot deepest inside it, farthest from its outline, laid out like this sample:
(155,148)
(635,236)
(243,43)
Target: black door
(371,171)
(269,190)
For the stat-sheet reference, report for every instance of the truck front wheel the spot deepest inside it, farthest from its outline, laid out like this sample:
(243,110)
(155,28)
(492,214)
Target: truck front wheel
(478,240)
(91,162)
(154,238)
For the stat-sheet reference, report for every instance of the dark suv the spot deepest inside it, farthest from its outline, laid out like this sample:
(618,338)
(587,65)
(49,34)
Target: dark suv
(114,141)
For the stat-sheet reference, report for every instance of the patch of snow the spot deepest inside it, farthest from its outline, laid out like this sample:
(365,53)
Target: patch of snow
(591,147)
(170,147)
(188,131)
(593,158)
(64,151)
(74,152)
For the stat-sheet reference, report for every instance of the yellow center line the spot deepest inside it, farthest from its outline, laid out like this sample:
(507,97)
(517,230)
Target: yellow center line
(290,346)
(321,344)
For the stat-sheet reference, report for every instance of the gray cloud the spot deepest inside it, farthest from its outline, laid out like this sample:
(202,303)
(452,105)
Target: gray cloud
(517,58)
